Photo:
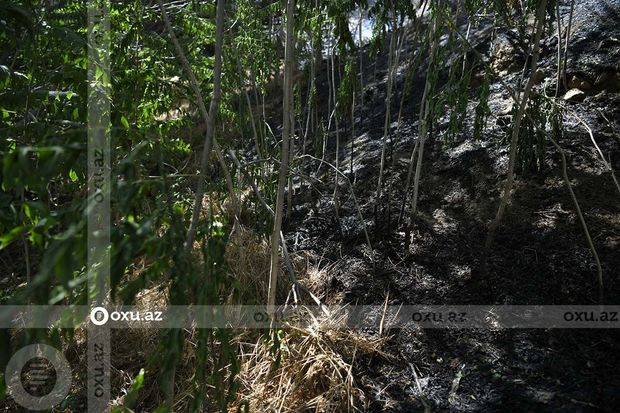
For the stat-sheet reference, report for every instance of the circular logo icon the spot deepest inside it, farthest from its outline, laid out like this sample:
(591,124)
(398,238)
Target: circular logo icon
(38,377)
(99,316)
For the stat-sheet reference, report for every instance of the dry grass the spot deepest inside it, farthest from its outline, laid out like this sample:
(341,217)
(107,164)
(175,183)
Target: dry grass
(248,257)
(314,373)
(317,280)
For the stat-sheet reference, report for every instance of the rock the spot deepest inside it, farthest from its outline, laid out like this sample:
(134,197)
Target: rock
(505,58)
(602,96)
(579,83)
(608,81)
(503,121)
(539,76)
(609,42)
(507,108)
(400,156)
(574,95)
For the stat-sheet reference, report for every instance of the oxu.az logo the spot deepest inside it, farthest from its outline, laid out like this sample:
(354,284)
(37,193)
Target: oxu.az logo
(38,377)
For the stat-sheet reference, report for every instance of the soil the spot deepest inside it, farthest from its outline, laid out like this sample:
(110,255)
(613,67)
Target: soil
(540,255)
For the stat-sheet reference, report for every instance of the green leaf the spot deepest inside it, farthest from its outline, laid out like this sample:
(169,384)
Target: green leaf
(124,122)
(73,175)
(134,390)
(7,239)
(76,114)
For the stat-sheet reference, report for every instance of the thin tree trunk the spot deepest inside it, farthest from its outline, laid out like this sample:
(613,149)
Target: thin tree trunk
(558,87)
(353,129)
(424,117)
(401,42)
(411,72)
(386,123)
(361,56)
(261,115)
(289,194)
(249,103)
(465,53)
(421,115)
(265,125)
(330,112)
(335,195)
(582,221)
(286,131)
(318,63)
(568,29)
(516,129)
(309,106)
(209,119)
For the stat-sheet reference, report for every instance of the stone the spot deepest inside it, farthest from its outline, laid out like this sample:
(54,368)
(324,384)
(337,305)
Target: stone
(609,42)
(539,76)
(579,83)
(608,81)
(574,95)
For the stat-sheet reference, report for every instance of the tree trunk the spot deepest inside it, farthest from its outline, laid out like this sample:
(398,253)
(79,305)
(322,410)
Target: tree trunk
(386,124)
(425,115)
(568,28)
(582,221)
(250,111)
(209,119)
(337,162)
(516,129)
(558,86)
(361,56)
(288,112)
(353,129)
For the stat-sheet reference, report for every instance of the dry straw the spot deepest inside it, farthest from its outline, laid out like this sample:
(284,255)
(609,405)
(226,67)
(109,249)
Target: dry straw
(314,372)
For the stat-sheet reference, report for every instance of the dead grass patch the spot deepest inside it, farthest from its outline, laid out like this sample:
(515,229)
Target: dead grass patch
(248,257)
(313,374)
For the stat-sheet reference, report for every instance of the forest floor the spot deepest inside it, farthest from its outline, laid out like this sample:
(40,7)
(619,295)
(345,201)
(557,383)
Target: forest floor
(540,255)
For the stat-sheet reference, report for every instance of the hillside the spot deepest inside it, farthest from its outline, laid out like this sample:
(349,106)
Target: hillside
(420,216)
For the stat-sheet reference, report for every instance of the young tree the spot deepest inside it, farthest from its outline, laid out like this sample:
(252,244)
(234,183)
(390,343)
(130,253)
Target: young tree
(425,107)
(567,34)
(287,122)
(209,116)
(516,129)
(388,100)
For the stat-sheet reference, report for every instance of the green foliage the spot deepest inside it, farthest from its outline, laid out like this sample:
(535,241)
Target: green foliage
(347,88)
(131,397)
(44,128)
(456,95)
(540,116)
(42,134)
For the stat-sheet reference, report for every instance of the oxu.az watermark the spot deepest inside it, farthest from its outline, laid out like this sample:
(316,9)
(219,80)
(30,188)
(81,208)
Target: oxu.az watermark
(591,316)
(38,377)
(100,316)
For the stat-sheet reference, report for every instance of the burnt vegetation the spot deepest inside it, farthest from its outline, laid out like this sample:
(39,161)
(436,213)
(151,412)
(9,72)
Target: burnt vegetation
(317,153)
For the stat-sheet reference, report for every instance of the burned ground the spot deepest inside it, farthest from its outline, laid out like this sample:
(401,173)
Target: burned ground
(540,255)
